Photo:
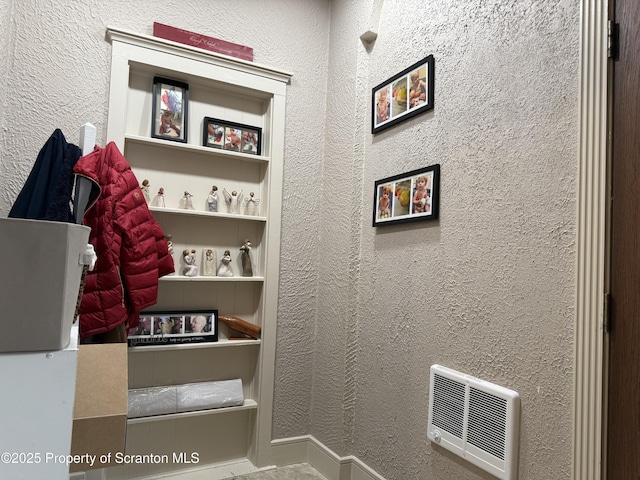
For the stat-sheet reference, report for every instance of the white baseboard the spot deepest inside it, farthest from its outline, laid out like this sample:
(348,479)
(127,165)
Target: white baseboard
(307,449)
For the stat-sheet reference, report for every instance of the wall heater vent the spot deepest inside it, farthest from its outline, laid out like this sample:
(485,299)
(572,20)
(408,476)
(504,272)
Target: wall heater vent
(477,420)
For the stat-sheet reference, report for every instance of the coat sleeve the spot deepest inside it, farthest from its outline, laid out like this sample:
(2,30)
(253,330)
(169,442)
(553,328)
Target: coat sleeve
(144,255)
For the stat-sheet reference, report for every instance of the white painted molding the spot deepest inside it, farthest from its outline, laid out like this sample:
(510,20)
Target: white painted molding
(307,449)
(195,53)
(588,423)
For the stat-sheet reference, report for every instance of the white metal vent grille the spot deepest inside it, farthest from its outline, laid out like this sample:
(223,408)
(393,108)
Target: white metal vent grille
(477,420)
(487,422)
(448,405)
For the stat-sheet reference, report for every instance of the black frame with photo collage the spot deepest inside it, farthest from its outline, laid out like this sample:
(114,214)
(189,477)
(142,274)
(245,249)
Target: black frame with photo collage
(174,327)
(403,96)
(408,197)
(223,134)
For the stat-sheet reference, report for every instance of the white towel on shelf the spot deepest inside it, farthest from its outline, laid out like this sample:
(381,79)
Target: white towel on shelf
(146,402)
(199,396)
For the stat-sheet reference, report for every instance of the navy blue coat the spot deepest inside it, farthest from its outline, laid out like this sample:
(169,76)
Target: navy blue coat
(47,191)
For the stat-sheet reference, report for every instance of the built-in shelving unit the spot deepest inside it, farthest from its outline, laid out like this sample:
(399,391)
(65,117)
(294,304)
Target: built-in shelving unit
(236,91)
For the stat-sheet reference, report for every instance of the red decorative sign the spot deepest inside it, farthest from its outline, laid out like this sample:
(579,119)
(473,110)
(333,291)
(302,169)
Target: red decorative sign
(202,41)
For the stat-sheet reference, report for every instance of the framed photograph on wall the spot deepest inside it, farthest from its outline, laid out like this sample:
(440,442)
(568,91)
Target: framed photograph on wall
(232,136)
(170,109)
(403,96)
(168,328)
(408,197)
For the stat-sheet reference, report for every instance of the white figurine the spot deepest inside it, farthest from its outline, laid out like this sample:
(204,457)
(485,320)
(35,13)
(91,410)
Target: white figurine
(190,267)
(145,189)
(169,243)
(209,262)
(252,204)
(188,201)
(158,200)
(247,270)
(170,247)
(233,199)
(225,270)
(212,199)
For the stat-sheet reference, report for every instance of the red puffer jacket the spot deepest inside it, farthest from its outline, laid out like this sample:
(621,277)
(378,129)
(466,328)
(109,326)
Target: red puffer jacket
(131,247)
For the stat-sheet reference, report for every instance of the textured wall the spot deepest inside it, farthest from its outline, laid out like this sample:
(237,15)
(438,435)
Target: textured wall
(57,72)
(58,65)
(489,288)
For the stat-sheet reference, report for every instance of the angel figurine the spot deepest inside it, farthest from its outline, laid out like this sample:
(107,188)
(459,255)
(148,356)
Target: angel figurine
(190,267)
(232,199)
(247,270)
(225,270)
(158,200)
(188,201)
(251,204)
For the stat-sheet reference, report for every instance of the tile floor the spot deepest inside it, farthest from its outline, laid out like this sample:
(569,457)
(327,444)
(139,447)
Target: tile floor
(303,471)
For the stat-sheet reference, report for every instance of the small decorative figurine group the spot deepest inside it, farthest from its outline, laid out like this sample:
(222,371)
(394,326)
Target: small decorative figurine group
(225,270)
(189,258)
(209,268)
(233,200)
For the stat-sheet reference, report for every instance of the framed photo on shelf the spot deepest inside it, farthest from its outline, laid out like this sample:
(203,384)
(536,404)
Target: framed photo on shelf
(408,197)
(174,328)
(231,136)
(169,109)
(403,96)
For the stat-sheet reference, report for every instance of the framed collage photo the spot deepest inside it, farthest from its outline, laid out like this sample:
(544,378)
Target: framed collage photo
(169,110)
(168,328)
(403,96)
(231,136)
(409,197)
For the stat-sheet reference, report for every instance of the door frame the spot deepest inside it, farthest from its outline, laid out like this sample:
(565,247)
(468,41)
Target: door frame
(592,252)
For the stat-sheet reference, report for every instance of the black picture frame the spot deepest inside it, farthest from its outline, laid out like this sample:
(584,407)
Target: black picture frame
(222,134)
(398,199)
(170,110)
(174,328)
(403,96)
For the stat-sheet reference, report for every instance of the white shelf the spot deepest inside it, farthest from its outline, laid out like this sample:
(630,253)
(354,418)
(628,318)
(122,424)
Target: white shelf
(202,213)
(188,147)
(194,346)
(248,405)
(202,278)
